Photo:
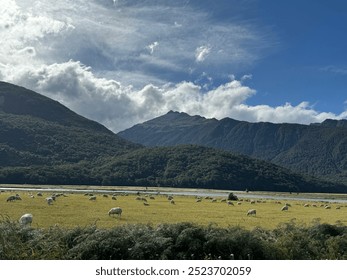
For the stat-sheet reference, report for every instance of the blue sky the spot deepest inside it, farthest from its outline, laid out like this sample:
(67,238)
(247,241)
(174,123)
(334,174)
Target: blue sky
(121,62)
(311,60)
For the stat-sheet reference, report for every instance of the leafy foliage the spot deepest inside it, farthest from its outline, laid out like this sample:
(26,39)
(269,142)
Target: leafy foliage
(174,241)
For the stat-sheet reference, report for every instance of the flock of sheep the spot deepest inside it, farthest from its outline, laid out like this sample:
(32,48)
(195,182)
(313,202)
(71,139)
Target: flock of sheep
(27,219)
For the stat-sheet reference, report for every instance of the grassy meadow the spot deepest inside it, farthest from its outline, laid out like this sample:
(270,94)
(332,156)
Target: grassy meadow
(75,209)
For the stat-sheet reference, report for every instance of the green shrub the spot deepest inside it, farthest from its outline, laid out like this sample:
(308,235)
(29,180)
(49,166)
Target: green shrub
(173,241)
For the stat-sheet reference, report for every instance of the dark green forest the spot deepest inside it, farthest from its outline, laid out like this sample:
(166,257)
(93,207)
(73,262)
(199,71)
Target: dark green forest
(181,166)
(184,241)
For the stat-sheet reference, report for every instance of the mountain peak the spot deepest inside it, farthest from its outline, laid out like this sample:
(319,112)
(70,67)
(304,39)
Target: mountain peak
(335,123)
(46,131)
(293,146)
(18,100)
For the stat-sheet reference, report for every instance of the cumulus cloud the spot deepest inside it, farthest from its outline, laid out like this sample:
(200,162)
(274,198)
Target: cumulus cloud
(119,107)
(93,58)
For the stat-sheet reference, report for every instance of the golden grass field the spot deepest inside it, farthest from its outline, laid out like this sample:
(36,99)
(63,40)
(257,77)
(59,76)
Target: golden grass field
(77,210)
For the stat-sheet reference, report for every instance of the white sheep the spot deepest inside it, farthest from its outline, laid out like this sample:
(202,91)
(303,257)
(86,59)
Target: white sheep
(252,212)
(26,219)
(115,211)
(92,198)
(284,208)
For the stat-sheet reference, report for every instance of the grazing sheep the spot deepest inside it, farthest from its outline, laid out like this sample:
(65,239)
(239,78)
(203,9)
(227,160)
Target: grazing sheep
(223,200)
(214,200)
(170,197)
(115,211)
(172,201)
(105,195)
(284,208)
(252,212)
(26,219)
(49,200)
(146,204)
(230,203)
(92,198)
(11,198)
(338,207)
(239,203)
(114,198)
(327,207)
(152,197)
(252,201)
(306,205)
(198,200)
(39,194)
(288,204)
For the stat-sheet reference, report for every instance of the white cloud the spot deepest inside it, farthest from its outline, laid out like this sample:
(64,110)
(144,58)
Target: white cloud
(91,56)
(335,69)
(201,53)
(119,107)
(152,46)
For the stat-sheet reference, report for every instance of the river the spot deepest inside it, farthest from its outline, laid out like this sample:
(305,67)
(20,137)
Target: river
(339,198)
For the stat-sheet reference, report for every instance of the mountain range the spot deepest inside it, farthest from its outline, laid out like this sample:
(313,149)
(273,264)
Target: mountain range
(43,142)
(319,149)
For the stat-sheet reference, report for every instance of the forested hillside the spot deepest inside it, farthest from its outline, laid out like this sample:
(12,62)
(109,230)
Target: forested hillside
(35,130)
(316,149)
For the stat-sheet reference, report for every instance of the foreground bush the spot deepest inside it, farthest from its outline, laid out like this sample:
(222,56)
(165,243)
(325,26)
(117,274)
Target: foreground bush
(173,241)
